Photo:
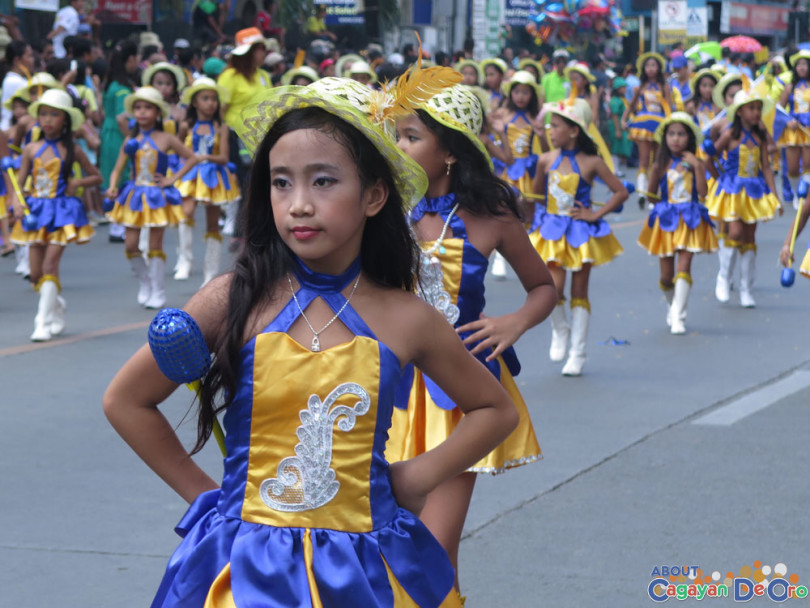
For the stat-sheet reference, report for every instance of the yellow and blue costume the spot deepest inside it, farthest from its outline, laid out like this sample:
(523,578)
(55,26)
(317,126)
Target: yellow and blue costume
(561,239)
(60,219)
(799,110)
(208,183)
(520,139)
(452,280)
(678,222)
(140,202)
(805,267)
(740,193)
(308,518)
(654,108)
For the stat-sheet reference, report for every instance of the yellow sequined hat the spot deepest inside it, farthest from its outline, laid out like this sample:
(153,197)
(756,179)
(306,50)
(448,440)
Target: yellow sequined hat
(473,64)
(642,59)
(371,112)
(56,98)
(149,94)
(205,84)
(522,77)
(576,110)
(700,74)
(20,94)
(685,119)
(720,88)
(803,54)
(535,64)
(458,108)
(745,96)
(580,68)
(304,70)
(495,61)
(164,66)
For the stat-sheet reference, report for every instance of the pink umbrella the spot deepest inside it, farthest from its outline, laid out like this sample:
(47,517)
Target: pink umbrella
(742,44)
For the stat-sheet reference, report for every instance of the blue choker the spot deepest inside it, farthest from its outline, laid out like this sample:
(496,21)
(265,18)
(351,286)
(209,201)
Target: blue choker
(440,204)
(324,283)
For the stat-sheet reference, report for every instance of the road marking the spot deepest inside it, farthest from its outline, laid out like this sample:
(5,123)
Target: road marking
(756,401)
(628,223)
(107,331)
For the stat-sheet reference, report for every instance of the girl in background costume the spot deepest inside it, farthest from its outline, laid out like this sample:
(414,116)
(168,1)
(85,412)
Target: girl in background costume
(679,223)
(150,200)
(467,213)
(494,70)
(569,233)
(310,333)
(60,216)
(795,139)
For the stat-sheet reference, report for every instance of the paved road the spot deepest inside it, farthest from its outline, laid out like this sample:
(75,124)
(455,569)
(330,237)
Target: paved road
(629,481)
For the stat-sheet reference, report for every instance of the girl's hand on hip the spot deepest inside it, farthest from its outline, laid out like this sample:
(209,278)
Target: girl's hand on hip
(405,485)
(497,333)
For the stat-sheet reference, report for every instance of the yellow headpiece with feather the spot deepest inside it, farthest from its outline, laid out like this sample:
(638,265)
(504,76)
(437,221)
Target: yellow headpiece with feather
(372,112)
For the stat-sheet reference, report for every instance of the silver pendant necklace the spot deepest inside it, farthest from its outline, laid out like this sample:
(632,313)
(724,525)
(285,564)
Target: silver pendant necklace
(316,343)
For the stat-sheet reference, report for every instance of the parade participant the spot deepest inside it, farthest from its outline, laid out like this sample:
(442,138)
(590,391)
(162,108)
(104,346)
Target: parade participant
(470,71)
(556,85)
(150,199)
(466,215)
(494,70)
(569,233)
(26,129)
(620,145)
(328,259)
(679,223)
(651,103)
(795,139)
(582,81)
(703,83)
(533,67)
(300,76)
(60,216)
(681,78)
(362,73)
(745,193)
(209,183)
(8,247)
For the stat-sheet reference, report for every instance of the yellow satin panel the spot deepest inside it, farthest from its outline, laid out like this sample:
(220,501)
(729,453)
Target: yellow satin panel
(801,100)
(557,185)
(595,251)
(679,186)
(805,267)
(3,208)
(45,177)
(220,594)
(749,164)
(795,137)
(313,587)
(519,138)
(664,244)
(451,264)
(424,425)
(168,215)
(63,236)
(740,207)
(298,371)
(637,134)
(200,192)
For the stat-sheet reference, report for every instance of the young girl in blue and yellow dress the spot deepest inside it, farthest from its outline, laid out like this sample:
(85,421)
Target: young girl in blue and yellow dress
(744,194)
(310,333)
(703,83)
(210,183)
(679,223)
(8,247)
(795,139)
(651,103)
(150,200)
(466,214)
(569,233)
(60,216)
(494,70)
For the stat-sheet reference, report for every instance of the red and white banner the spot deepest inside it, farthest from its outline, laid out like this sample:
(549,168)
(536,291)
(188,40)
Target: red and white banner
(755,19)
(129,11)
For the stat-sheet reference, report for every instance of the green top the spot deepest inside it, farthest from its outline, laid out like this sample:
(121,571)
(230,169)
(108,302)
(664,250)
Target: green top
(111,138)
(554,86)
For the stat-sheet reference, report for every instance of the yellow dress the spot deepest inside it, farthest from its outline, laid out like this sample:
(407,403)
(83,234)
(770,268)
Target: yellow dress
(654,108)
(522,141)
(452,280)
(799,109)
(207,182)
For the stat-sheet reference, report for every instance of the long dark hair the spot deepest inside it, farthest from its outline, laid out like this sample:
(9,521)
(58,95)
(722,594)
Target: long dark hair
(244,64)
(176,94)
(477,189)
(388,253)
(134,130)
(533,107)
(663,155)
(584,143)
(191,112)
(736,129)
(66,137)
(116,70)
(795,80)
(660,79)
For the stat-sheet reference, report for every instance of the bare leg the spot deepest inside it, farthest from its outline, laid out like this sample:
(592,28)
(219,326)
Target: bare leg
(579,283)
(667,272)
(36,256)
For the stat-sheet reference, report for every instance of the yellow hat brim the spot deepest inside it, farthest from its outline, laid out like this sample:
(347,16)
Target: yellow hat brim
(189,92)
(536,64)
(20,94)
(722,85)
(271,104)
(585,73)
(76,115)
(494,61)
(163,66)
(340,65)
(767,106)
(555,109)
(473,64)
(642,59)
(129,102)
(289,75)
(683,118)
(700,74)
(803,54)
(528,80)
(448,121)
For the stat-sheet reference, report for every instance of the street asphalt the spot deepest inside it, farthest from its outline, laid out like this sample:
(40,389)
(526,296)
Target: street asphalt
(633,478)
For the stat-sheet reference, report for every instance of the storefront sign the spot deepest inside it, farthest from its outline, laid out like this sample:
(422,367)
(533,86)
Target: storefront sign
(131,11)
(516,12)
(344,12)
(50,6)
(672,21)
(753,19)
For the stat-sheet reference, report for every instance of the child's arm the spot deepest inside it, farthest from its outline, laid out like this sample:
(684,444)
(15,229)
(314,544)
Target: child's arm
(699,174)
(183,152)
(620,194)
(723,142)
(25,169)
(499,333)
(131,403)
(221,155)
(785,255)
(767,170)
(92,177)
(112,190)
(123,123)
(631,107)
(489,415)
(540,177)
(90,135)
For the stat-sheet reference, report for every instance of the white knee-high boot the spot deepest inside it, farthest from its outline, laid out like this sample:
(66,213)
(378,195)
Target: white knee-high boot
(157,278)
(580,316)
(642,184)
(560,333)
(56,321)
(213,252)
(677,312)
(138,265)
(185,253)
(231,211)
(143,240)
(747,272)
(727,255)
(47,288)
(23,267)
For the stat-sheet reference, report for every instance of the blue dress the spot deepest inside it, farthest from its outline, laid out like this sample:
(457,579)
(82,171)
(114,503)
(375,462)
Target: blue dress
(305,515)
(207,182)
(60,219)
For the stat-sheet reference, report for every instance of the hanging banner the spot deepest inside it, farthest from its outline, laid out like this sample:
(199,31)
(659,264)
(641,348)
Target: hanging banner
(49,6)
(672,21)
(753,19)
(344,12)
(697,25)
(516,12)
(486,19)
(129,11)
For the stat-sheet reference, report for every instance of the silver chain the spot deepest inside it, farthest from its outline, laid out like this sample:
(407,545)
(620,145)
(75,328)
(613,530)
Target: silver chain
(438,242)
(316,343)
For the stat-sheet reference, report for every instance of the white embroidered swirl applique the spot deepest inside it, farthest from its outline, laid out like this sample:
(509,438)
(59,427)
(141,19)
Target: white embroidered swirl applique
(306,481)
(431,287)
